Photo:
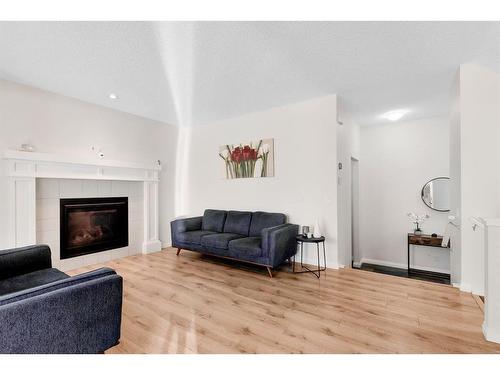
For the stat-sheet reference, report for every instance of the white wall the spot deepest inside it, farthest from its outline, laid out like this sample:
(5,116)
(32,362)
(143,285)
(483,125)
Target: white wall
(304,186)
(397,159)
(476,161)
(455,183)
(62,125)
(348,146)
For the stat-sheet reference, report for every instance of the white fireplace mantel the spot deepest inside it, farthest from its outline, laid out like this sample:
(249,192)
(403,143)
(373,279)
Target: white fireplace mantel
(23,168)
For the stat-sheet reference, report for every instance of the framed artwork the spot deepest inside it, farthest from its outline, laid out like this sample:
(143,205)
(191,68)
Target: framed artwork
(247,160)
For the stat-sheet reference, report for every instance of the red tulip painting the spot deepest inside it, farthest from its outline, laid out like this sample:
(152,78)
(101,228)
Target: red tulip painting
(246,160)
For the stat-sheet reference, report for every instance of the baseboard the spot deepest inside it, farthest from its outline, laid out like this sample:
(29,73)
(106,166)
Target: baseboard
(490,336)
(149,247)
(399,265)
(356,264)
(313,262)
(314,266)
(478,292)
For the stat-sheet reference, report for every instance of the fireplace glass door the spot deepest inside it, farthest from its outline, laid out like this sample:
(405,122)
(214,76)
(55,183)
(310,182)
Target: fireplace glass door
(91,225)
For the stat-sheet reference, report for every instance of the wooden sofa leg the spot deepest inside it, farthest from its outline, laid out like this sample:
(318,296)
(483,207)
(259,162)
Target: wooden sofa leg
(178,251)
(270,272)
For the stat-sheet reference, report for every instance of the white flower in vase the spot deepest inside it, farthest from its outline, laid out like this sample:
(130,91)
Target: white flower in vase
(418,219)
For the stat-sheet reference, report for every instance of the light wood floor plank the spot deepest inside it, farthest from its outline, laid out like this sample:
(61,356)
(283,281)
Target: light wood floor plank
(197,304)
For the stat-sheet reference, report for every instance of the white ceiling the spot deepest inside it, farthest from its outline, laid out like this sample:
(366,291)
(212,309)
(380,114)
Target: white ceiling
(191,73)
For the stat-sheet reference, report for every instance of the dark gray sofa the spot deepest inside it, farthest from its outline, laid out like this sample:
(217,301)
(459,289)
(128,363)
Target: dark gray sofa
(43,310)
(260,238)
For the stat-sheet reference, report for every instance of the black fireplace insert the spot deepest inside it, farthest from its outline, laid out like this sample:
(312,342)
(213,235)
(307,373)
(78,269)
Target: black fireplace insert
(91,225)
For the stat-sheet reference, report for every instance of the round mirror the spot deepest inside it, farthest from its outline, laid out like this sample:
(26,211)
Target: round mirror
(436,194)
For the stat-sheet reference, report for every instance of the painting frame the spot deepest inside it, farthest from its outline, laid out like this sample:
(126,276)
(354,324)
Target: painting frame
(254,159)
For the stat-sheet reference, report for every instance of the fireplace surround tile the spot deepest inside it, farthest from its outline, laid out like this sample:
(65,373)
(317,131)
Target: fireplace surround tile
(48,225)
(44,225)
(120,188)
(47,208)
(104,189)
(70,188)
(47,188)
(89,188)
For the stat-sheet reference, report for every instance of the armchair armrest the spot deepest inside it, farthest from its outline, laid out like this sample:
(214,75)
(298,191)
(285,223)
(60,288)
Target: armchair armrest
(184,225)
(279,242)
(15,262)
(81,314)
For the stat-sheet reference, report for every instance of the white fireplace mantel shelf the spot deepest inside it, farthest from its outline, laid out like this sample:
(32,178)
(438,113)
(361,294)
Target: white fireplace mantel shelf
(23,168)
(44,165)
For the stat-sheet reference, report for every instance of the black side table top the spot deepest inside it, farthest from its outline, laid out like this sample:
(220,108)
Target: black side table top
(301,238)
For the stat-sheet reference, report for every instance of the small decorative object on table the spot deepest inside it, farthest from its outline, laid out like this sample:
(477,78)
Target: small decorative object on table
(317,231)
(27,147)
(305,230)
(417,219)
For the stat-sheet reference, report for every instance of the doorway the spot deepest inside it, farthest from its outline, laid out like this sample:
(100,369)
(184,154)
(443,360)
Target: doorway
(355,253)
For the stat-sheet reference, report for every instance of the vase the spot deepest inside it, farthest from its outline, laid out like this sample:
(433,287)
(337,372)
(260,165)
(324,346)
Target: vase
(317,231)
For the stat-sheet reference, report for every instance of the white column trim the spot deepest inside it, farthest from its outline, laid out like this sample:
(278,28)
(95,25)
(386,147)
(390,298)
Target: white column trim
(151,216)
(491,324)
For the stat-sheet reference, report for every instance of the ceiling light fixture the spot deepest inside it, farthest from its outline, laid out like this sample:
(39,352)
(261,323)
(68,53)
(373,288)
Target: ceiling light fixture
(394,115)
(113,96)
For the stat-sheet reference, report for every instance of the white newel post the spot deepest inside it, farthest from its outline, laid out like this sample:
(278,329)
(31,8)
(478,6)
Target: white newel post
(491,325)
(151,216)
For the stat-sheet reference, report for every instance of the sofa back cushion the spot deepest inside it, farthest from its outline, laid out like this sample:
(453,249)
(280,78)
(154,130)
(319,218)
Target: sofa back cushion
(213,220)
(238,222)
(261,220)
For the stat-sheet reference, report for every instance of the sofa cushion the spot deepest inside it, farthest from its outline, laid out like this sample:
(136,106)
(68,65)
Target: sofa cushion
(250,246)
(31,280)
(213,220)
(261,220)
(238,222)
(193,236)
(219,240)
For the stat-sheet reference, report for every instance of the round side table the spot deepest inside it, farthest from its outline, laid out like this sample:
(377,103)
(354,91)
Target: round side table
(300,242)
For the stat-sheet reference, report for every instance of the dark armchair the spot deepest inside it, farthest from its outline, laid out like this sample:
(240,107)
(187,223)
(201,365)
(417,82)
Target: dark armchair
(43,310)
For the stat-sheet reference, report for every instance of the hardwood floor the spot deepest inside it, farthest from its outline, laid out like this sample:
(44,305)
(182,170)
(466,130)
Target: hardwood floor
(196,304)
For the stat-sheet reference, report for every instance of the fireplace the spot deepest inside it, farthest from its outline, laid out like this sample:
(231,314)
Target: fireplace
(91,225)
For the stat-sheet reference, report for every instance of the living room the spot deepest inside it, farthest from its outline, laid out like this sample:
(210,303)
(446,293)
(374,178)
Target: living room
(229,187)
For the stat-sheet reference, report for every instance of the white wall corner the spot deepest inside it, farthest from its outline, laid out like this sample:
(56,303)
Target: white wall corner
(491,335)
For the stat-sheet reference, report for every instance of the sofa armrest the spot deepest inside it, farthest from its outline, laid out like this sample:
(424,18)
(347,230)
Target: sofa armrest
(184,225)
(279,242)
(15,262)
(74,315)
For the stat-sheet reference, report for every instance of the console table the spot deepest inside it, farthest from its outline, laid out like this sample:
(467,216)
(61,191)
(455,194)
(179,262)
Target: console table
(422,240)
